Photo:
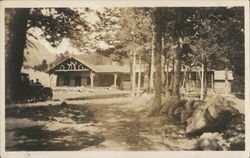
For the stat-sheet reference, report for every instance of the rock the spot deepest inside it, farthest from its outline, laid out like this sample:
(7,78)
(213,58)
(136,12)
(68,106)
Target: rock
(193,104)
(238,143)
(230,133)
(215,106)
(179,104)
(190,106)
(237,119)
(185,114)
(177,113)
(240,128)
(209,141)
(64,104)
(198,103)
(173,107)
(213,116)
(167,104)
(196,122)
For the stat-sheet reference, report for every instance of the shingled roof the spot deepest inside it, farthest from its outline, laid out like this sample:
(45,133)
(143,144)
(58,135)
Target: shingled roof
(96,68)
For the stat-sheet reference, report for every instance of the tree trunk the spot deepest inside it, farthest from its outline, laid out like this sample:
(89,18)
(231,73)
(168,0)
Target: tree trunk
(131,69)
(188,81)
(146,78)
(202,82)
(172,77)
(167,80)
(151,79)
(134,74)
(15,39)
(158,52)
(177,79)
(163,62)
(184,83)
(205,79)
(139,77)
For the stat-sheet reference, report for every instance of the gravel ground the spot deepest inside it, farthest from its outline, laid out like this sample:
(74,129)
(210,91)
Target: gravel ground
(105,122)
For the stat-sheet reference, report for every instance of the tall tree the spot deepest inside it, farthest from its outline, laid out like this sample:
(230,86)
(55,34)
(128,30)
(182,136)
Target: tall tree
(158,21)
(219,33)
(55,23)
(15,26)
(127,32)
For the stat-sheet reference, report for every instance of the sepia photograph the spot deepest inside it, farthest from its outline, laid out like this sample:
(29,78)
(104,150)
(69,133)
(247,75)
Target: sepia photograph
(133,78)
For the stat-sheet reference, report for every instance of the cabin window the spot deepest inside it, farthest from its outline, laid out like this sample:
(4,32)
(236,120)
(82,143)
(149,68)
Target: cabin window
(193,76)
(209,80)
(66,80)
(78,80)
(126,77)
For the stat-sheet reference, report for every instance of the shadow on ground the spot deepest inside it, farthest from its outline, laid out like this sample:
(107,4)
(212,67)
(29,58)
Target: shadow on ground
(104,96)
(79,114)
(38,139)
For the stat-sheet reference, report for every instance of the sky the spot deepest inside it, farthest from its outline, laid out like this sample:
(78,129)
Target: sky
(65,44)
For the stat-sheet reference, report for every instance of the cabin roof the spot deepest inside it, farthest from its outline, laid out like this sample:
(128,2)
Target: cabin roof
(90,66)
(218,75)
(112,68)
(98,68)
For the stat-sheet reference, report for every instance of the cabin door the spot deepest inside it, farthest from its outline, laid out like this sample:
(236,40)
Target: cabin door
(78,80)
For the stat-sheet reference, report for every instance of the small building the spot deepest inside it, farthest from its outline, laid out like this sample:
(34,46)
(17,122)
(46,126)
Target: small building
(75,72)
(218,81)
(222,81)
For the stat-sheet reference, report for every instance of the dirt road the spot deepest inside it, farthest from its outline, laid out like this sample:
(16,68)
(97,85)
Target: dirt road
(103,123)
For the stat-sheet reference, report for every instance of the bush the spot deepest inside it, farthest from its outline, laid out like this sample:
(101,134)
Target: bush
(238,85)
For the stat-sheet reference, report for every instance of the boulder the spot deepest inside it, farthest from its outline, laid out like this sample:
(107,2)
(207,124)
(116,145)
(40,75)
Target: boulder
(213,116)
(179,104)
(197,121)
(198,103)
(64,104)
(238,143)
(173,107)
(193,104)
(185,114)
(177,113)
(237,123)
(218,106)
(229,133)
(190,106)
(167,104)
(209,142)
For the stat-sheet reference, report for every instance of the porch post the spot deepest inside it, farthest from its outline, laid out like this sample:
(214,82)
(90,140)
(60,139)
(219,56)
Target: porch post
(212,81)
(226,81)
(92,79)
(202,82)
(115,80)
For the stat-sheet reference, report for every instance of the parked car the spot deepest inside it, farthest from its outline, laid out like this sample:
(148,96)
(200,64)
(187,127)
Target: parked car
(30,91)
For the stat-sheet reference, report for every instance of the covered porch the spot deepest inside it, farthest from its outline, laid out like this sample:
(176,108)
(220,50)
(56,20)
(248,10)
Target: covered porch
(87,79)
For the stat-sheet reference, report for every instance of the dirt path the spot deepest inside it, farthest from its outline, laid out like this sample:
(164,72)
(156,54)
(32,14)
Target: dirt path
(126,127)
(92,124)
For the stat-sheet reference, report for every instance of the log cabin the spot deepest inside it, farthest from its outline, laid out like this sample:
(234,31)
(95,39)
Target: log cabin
(76,72)
(215,81)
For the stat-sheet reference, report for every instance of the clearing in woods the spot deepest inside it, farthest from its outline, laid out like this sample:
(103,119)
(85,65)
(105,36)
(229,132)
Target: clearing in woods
(111,122)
